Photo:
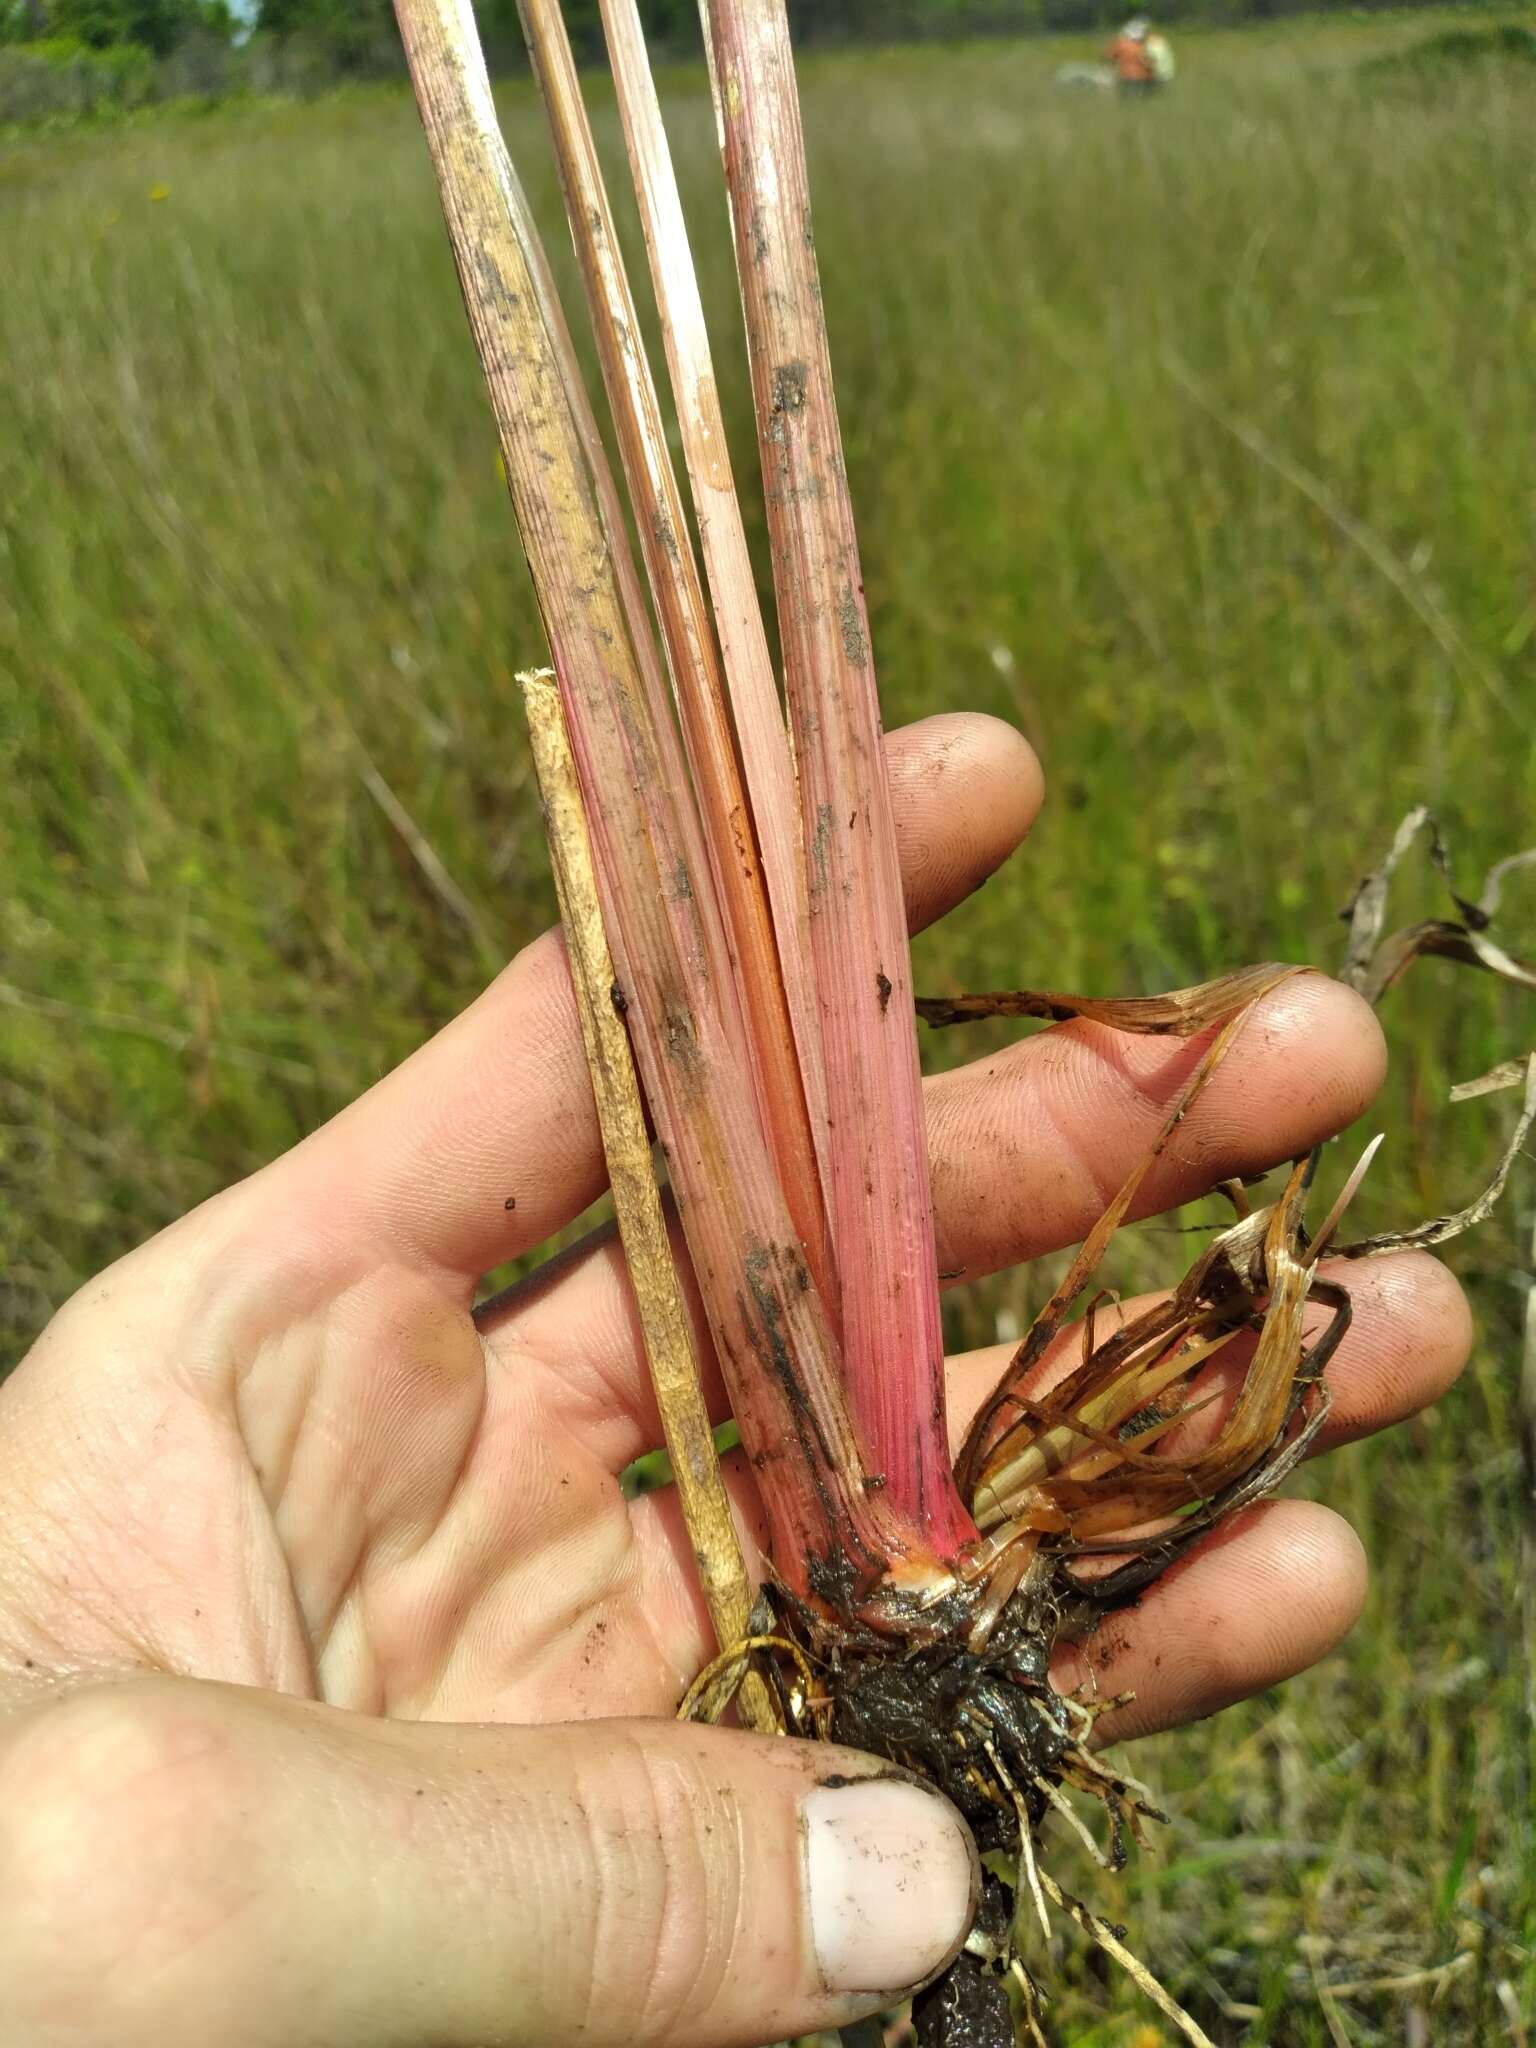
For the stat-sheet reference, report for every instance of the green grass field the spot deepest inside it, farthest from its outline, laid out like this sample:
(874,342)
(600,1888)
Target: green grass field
(1194,437)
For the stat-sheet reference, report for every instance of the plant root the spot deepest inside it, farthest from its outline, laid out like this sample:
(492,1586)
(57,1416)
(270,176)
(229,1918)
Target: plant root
(987,1729)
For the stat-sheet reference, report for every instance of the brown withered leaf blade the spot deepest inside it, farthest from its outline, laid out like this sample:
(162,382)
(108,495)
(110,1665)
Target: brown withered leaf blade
(1441,1229)
(1178,1014)
(1507,1074)
(1366,911)
(1229,1000)
(1115,1461)
(1083,1490)
(1373,964)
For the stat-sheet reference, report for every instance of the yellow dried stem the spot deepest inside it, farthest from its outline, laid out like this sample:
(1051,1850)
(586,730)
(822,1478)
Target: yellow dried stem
(636,1202)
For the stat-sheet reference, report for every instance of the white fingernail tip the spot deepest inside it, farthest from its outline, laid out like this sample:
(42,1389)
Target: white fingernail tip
(890,1878)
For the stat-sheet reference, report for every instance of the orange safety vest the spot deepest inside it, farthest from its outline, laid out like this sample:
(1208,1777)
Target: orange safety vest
(1131,63)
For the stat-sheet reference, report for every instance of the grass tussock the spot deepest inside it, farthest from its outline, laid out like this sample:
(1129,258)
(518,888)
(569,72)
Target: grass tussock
(1193,437)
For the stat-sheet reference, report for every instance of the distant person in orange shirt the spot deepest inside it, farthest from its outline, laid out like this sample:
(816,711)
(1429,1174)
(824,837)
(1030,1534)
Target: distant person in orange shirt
(1130,60)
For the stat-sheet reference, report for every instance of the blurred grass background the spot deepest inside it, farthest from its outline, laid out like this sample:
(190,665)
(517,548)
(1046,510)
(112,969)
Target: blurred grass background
(1194,437)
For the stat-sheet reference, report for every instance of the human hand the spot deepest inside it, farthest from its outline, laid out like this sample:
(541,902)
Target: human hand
(339,1667)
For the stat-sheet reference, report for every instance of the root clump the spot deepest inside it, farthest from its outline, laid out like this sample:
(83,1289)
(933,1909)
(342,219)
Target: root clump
(1087,1491)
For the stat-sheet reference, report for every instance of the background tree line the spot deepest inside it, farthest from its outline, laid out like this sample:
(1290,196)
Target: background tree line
(354,32)
(358,36)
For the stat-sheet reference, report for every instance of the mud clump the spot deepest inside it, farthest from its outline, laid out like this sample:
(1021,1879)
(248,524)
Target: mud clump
(953,1717)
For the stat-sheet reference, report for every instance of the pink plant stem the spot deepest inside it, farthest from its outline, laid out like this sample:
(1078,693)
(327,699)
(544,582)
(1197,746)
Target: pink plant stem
(882,1222)
(830,1529)
(729,835)
(754,696)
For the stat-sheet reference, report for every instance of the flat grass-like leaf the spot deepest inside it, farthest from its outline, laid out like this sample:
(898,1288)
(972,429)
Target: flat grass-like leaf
(1178,1014)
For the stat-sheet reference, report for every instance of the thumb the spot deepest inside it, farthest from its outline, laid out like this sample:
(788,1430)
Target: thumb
(217,1863)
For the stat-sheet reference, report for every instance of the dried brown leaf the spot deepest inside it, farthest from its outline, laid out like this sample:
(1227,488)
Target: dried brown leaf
(1441,1229)
(1507,1074)
(1373,964)
(1179,1014)
(1252,984)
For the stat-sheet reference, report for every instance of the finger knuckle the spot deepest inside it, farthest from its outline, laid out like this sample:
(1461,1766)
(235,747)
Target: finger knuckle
(668,1891)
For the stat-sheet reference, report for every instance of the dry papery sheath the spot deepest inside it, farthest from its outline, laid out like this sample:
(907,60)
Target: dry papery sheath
(728,874)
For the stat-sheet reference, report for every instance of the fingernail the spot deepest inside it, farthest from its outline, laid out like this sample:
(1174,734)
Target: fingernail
(891,1881)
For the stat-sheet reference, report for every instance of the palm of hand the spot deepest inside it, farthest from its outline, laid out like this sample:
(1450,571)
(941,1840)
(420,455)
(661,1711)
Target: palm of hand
(352,1495)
